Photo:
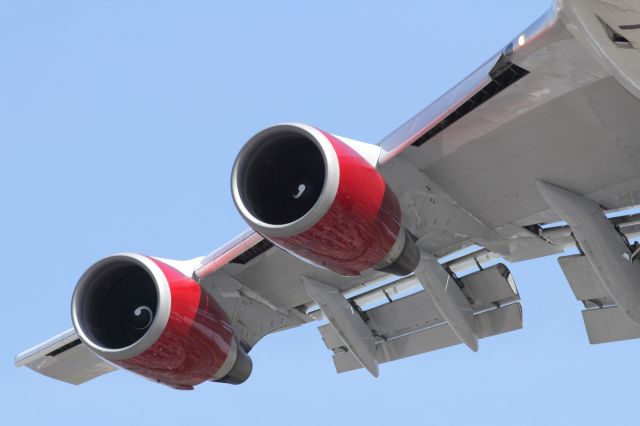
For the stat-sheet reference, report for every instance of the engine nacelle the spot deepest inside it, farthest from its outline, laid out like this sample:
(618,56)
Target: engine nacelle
(147,317)
(312,194)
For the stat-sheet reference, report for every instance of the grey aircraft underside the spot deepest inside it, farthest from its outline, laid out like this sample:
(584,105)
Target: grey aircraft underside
(546,131)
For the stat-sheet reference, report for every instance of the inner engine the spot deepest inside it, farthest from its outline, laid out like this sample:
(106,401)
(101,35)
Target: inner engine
(314,195)
(145,316)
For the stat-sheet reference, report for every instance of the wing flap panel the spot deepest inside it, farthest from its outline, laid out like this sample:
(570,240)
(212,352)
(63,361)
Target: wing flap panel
(609,325)
(603,320)
(490,286)
(412,325)
(583,280)
(490,323)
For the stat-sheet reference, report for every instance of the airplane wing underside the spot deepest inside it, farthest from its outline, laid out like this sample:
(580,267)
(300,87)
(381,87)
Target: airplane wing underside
(545,131)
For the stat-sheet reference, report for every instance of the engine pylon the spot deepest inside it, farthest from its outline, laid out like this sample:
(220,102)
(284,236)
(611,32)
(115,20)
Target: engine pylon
(605,248)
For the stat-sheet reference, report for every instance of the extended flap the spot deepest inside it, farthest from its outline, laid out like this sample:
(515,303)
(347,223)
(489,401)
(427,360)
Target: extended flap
(412,325)
(494,285)
(582,278)
(491,323)
(609,325)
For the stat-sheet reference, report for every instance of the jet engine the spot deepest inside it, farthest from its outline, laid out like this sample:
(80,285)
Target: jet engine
(147,317)
(315,196)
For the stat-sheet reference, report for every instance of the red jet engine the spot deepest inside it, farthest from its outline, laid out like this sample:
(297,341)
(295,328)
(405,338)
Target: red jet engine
(314,195)
(147,317)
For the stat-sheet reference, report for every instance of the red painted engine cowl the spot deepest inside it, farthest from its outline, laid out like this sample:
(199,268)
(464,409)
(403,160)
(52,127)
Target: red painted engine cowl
(147,317)
(312,194)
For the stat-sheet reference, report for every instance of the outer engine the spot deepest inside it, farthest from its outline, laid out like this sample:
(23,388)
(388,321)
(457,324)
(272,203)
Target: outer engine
(149,318)
(312,194)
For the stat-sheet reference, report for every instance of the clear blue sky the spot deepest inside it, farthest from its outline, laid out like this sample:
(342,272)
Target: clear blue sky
(119,123)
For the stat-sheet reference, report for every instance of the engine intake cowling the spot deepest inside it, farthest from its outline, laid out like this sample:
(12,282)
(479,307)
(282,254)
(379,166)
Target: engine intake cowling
(314,195)
(147,317)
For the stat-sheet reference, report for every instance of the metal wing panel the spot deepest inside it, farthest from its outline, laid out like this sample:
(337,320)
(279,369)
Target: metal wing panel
(429,117)
(66,358)
(432,115)
(272,272)
(412,324)
(578,141)
(609,30)
(276,277)
(491,323)
(252,316)
(609,325)
(571,119)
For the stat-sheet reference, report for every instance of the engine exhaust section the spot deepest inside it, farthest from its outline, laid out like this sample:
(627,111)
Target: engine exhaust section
(312,194)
